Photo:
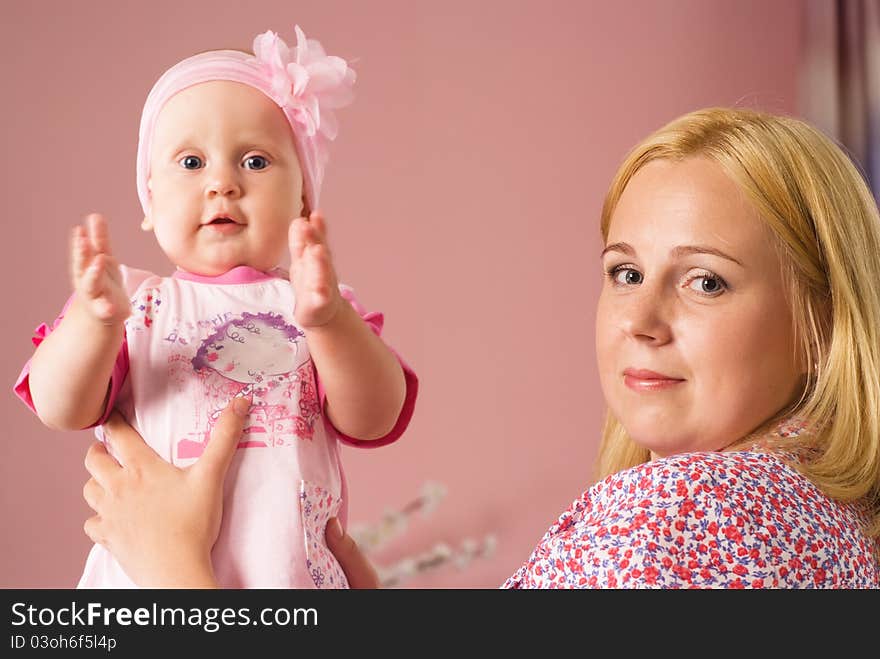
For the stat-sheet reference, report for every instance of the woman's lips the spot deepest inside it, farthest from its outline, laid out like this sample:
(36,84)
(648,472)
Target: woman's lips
(643,380)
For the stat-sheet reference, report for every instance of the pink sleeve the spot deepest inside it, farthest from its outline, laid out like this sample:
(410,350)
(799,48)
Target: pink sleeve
(375,320)
(22,387)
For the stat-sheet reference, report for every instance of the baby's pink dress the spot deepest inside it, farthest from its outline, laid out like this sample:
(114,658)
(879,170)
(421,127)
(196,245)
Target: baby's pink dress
(191,344)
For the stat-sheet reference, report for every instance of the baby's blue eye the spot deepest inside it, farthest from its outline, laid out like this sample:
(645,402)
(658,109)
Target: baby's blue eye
(256,162)
(190,162)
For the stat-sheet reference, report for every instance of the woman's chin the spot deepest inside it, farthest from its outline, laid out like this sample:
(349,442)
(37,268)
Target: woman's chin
(663,438)
(663,442)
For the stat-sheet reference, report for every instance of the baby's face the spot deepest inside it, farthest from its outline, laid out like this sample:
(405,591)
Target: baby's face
(225,182)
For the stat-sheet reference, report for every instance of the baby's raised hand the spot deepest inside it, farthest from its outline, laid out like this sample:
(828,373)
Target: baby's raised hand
(311,273)
(97,280)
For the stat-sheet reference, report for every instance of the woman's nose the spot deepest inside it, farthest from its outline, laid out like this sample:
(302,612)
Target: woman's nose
(644,316)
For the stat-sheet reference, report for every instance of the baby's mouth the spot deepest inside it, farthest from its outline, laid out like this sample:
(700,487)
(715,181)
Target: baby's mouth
(225,225)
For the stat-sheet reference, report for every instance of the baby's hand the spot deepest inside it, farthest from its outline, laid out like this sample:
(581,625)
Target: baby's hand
(311,273)
(97,280)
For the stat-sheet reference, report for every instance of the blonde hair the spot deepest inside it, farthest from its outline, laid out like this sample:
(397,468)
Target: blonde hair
(827,230)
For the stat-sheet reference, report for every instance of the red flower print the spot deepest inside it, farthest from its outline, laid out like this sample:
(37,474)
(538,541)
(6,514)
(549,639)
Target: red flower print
(777,530)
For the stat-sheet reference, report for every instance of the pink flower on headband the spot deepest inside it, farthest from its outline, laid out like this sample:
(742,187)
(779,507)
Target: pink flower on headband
(306,81)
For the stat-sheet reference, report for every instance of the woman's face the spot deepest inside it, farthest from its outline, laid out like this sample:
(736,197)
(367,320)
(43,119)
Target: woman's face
(694,334)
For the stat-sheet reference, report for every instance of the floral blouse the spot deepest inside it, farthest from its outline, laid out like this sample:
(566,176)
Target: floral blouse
(705,520)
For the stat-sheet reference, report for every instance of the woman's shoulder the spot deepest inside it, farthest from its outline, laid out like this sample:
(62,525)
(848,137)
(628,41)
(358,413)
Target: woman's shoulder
(676,487)
(734,519)
(748,483)
(749,471)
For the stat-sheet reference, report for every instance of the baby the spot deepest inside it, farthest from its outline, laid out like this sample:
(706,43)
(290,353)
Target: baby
(231,156)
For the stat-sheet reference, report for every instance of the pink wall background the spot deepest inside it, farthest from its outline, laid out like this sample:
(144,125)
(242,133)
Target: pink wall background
(463,200)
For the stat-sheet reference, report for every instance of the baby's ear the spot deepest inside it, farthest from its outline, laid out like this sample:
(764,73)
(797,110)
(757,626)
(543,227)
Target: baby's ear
(147,224)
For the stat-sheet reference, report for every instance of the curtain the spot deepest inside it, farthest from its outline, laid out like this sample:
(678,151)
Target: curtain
(841,83)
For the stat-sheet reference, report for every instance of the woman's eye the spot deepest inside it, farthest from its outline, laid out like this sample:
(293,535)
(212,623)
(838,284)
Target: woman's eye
(190,162)
(707,285)
(626,276)
(256,162)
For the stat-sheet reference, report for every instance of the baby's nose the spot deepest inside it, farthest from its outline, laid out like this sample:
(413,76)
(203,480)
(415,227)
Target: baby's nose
(224,187)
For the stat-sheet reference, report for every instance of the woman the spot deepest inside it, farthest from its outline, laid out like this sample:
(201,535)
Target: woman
(738,344)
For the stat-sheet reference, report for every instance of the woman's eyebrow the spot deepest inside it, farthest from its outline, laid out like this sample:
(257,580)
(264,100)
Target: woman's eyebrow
(618,247)
(682,250)
(676,252)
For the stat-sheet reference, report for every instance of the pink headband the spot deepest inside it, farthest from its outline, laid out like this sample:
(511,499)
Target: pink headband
(306,84)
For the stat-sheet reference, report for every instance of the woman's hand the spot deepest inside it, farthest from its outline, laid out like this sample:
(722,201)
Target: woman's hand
(357,568)
(159,521)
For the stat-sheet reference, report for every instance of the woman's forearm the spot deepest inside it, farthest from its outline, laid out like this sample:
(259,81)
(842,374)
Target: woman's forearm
(71,370)
(362,379)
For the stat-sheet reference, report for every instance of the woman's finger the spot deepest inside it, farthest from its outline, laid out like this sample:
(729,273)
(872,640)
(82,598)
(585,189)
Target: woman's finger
(358,570)
(214,462)
(100,464)
(93,493)
(93,528)
(128,446)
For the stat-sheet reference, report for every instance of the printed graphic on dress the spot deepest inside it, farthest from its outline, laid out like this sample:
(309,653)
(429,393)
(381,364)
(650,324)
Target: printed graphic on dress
(144,307)
(258,355)
(317,505)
